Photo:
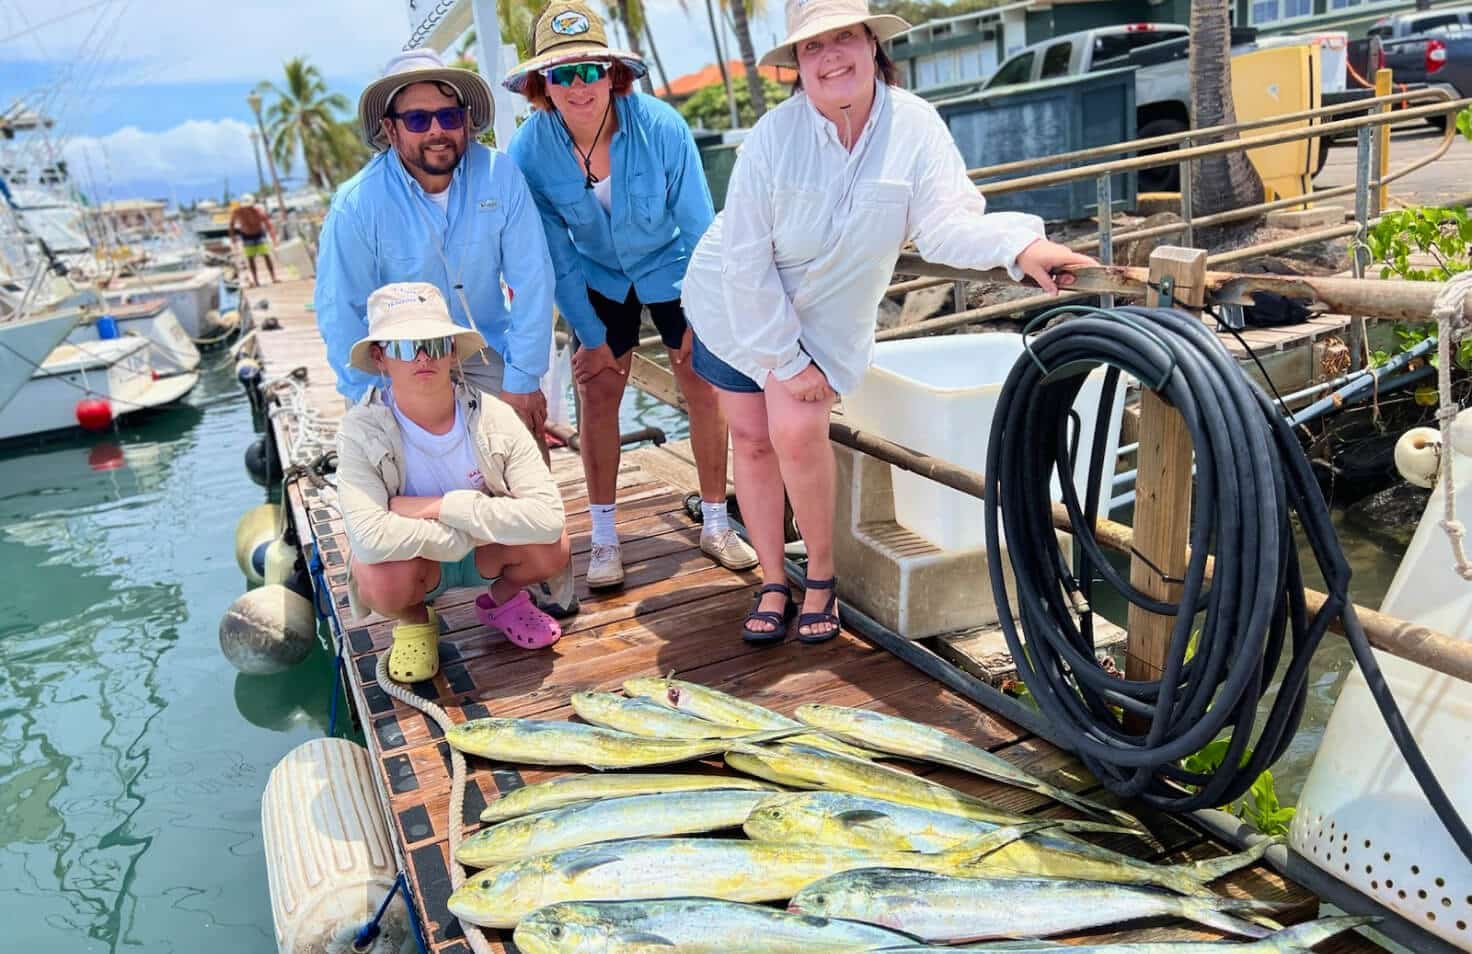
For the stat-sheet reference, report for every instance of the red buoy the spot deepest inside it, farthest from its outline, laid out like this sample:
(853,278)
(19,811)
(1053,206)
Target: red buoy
(94,414)
(106,456)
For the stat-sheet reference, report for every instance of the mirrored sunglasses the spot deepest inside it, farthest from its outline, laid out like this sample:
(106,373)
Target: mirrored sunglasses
(407,349)
(565,74)
(418,120)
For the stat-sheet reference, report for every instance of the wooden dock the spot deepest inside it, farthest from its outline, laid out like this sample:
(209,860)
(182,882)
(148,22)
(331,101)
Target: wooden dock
(677,612)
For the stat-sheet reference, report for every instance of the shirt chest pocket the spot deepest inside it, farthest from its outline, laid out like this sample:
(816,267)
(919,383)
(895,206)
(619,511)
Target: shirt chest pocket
(646,196)
(881,212)
(574,205)
(494,452)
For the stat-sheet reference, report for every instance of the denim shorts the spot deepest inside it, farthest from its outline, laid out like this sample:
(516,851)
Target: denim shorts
(718,373)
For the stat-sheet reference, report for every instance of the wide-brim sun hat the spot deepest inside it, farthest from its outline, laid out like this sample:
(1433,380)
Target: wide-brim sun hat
(809,18)
(248,199)
(410,311)
(569,32)
(422,66)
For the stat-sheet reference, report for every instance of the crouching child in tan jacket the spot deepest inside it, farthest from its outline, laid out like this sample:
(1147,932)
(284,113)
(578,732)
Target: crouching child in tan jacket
(441,486)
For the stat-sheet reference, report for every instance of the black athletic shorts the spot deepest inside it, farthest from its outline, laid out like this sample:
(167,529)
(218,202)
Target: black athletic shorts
(622,320)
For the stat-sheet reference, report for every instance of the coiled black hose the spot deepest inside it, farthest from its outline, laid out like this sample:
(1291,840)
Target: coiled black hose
(1251,477)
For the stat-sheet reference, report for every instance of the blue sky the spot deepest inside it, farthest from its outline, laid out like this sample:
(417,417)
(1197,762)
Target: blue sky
(149,95)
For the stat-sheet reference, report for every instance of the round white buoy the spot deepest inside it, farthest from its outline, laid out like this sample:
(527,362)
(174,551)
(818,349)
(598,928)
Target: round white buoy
(1461,433)
(256,529)
(269,629)
(1418,456)
(329,860)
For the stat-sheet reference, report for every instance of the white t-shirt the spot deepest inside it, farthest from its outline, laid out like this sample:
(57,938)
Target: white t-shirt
(603,192)
(435,464)
(441,199)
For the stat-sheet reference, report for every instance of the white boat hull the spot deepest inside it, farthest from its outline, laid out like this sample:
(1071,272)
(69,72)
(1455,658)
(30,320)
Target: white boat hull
(116,370)
(173,352)
(193,298)
(26,345)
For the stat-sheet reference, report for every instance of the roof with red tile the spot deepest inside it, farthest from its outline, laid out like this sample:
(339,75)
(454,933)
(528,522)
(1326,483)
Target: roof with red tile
(690,83)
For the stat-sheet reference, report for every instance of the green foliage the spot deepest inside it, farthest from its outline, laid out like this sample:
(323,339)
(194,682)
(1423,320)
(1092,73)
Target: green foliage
(1464,122)
(304,120)
(708,106)
(1442,234)
(1260,807)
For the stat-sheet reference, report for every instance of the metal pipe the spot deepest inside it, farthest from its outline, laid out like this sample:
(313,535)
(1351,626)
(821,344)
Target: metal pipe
(1209,132)
(569,436)
(1104,209)
(1188,181)
(1363,173)
(1371,376)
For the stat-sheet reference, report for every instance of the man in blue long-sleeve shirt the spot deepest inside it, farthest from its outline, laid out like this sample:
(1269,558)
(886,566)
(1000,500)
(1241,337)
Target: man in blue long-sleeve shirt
(436,206)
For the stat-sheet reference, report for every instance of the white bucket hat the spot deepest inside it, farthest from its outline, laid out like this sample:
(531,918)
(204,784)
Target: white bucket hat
(248,199)
(422,66)
(406,311)
(810,18)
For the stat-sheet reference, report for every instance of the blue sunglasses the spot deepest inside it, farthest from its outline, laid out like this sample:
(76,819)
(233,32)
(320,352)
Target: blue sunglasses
(418,120)
(407,349)
(565,74)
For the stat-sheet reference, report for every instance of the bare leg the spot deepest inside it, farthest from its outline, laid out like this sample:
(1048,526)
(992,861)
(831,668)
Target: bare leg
(521,566)
(598,432)
(396,589)
(707,429)
(799,431)
(758,489)
(255,282)
(271,267)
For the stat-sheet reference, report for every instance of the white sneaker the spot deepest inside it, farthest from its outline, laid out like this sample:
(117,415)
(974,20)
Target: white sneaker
(727,549)
(557,597)
(605,566)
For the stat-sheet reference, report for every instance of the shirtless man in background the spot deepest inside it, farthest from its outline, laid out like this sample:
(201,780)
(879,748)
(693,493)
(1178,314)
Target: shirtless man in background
(253,226)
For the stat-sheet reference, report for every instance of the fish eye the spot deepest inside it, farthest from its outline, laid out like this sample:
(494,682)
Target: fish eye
(673,694)
(819,899)
(555,931)
(776,813)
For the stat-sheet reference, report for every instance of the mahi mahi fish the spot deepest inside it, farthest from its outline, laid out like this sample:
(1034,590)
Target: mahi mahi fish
(725,869)
(911,740)
(638,816)
(548,742)
(573,789)
(859,821)
(640,716)
(937,907)
(1298,939)
(691,926)
(715,706)
(798,766)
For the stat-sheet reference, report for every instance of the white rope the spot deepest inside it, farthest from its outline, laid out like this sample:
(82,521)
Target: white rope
(473,935)
(1452,325)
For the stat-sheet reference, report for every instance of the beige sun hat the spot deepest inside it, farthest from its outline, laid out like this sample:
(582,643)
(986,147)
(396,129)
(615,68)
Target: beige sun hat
(568,31)
(809,18)
(410,310)
(422,66)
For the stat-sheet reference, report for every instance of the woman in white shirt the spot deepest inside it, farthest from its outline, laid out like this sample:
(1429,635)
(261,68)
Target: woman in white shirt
(783,290)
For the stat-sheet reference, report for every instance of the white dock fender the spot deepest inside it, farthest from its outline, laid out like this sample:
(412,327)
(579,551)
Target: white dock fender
(329,859)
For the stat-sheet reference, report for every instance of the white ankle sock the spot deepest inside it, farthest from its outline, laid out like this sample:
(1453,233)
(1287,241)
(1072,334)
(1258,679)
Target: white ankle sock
(604,517)
(713,516)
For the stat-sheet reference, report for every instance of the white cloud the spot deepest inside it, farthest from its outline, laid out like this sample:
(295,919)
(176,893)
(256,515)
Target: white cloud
(192,154)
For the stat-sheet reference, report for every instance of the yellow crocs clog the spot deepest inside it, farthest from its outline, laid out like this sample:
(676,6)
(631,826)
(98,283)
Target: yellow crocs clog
(415,654)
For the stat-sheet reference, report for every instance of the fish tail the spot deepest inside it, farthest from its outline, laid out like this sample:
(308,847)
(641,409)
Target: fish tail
(1213,868)
(1301,938)
(1242,916)
(1128,823)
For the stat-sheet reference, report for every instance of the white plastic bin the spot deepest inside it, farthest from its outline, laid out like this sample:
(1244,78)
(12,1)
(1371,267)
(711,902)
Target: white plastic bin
(937,396)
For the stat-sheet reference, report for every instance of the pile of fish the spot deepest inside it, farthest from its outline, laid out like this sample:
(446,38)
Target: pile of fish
(868,857)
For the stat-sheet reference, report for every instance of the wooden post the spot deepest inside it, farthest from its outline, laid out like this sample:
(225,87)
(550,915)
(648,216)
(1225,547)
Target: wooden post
(1163,486)
(1382,141)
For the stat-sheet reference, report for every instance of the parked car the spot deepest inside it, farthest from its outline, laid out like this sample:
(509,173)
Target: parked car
(1431,47)
(1159,53)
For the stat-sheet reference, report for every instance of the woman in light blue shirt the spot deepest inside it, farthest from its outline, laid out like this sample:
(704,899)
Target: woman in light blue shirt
(617,179)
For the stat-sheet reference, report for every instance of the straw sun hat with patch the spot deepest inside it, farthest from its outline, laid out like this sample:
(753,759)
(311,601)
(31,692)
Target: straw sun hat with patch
(422,66)
(568,32)
(410,311)
(809,18)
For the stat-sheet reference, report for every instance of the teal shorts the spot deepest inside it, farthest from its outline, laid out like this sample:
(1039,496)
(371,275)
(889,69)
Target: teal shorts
(462,572)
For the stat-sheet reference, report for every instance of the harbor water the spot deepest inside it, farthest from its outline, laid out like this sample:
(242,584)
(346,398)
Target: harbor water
(134,756)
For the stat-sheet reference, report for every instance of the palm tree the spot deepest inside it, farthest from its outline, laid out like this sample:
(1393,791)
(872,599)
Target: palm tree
(305,119)
(715,36)
(631,14)
(742,25)
(1227,181)
(664,77)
